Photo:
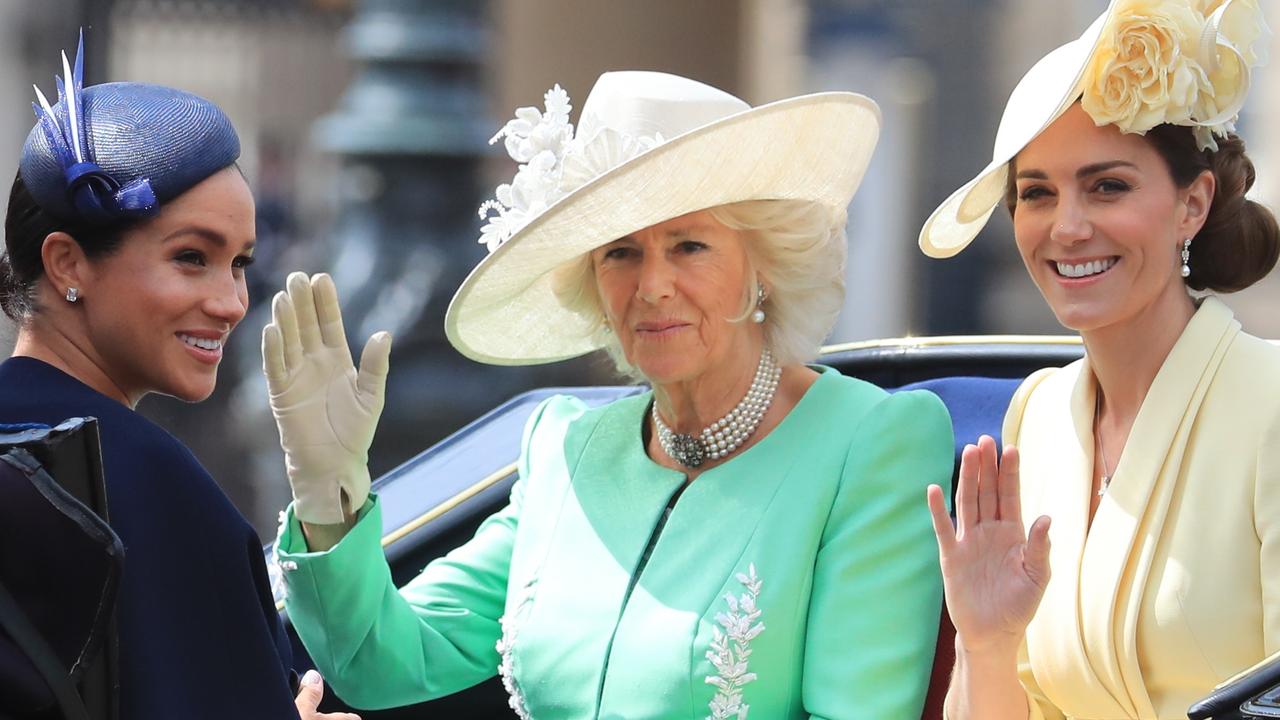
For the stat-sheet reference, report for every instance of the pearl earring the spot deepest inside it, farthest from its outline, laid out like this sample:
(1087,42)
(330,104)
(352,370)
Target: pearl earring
(1186,257)
(73,294)
(757,317)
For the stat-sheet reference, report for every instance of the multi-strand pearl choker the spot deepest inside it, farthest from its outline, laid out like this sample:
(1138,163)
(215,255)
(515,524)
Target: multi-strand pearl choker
(722,437)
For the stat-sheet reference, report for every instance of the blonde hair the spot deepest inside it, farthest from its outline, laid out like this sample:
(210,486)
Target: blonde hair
(796,248)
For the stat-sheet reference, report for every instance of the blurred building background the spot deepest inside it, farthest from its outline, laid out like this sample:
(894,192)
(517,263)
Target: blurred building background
(364,126)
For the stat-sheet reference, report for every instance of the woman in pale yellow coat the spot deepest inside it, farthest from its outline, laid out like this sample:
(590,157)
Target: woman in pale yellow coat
(1157,457)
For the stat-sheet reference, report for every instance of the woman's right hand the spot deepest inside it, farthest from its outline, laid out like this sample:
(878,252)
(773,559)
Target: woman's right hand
(994,573)
(326,410)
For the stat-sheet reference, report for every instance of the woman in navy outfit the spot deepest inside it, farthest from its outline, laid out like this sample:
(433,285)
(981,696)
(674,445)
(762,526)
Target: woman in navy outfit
(128,232)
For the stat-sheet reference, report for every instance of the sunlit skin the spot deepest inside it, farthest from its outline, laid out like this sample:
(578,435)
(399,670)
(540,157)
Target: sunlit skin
(671,293)
(179,274)
(1092,193)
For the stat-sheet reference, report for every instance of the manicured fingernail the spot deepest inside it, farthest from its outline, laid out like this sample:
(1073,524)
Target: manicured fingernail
(311,678)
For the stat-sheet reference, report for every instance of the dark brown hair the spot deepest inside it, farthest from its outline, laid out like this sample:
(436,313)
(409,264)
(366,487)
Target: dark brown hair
(26,226)
(1240,240)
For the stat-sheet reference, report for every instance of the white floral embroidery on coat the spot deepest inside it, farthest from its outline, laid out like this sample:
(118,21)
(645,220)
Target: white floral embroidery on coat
(506,667)
(731,650)
(277,567)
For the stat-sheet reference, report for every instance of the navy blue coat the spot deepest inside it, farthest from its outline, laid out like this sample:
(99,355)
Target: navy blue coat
(199,633)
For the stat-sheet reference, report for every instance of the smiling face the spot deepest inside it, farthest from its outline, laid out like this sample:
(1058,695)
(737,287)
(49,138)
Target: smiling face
(1099,223)
(670,294)
(158,310)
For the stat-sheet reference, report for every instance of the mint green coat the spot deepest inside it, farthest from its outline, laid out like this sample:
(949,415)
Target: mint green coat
(799,579)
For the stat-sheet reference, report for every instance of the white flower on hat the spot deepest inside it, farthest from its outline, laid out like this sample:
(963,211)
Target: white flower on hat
(537,140)
(606,149)
(553,164)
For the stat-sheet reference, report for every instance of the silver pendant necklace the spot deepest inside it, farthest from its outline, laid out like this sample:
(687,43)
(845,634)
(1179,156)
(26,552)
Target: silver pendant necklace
(1102,451)
(724,436)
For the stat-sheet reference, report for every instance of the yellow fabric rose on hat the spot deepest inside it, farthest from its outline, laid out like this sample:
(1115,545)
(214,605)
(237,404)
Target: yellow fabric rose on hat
(1144,71)
(1216,109)
(1243,25)
(1232,45)
(1183,62)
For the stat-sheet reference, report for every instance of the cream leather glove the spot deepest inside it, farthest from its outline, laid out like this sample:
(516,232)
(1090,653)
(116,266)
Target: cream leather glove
(326,411)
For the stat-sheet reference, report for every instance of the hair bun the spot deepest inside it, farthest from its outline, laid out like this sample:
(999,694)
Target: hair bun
(9,288)
(1240,241)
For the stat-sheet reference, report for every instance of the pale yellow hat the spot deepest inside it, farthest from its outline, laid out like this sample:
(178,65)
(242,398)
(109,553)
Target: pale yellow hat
(1212,45)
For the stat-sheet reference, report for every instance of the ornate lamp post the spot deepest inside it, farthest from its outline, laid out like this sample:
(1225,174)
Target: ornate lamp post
(411,130)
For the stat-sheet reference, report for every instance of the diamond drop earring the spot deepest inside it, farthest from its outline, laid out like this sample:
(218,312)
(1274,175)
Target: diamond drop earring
(1186,258)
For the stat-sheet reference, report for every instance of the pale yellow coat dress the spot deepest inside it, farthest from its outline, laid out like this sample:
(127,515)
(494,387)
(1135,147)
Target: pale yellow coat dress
(1176,585)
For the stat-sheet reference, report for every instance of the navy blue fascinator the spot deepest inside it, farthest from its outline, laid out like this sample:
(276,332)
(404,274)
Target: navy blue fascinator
(118,151)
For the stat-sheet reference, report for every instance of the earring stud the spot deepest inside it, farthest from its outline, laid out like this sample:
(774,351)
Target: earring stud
(73,294)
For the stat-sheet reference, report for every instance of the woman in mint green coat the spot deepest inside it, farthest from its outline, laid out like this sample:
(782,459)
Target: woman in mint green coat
(746,540)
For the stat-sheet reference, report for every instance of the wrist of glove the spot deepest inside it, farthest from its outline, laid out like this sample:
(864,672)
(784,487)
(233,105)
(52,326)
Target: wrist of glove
(326,495)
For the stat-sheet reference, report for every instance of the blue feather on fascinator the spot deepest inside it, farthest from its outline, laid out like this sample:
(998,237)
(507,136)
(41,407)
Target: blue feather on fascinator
(118,151)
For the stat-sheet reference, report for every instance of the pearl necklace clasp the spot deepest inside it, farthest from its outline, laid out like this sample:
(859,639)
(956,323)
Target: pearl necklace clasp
(724,436)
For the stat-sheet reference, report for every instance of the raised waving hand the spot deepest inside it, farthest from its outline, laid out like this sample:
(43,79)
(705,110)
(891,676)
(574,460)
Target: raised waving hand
(326,409)
(993,571)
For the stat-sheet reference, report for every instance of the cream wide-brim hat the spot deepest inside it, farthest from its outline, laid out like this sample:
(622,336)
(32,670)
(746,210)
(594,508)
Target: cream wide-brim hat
(1047,91)
(715,149)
